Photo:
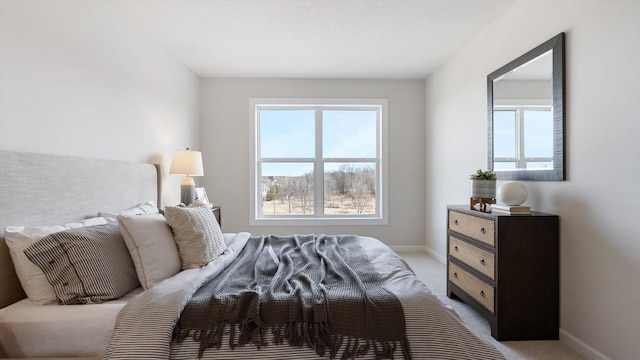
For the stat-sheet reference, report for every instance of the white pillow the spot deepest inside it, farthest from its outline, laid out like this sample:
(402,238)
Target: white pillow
(152,248)
(32,279)
(147,208)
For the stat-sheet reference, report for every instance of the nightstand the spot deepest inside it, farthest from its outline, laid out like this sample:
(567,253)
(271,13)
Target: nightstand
(217,211)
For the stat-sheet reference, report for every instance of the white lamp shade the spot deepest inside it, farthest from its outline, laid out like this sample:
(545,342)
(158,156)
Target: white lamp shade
(187,162)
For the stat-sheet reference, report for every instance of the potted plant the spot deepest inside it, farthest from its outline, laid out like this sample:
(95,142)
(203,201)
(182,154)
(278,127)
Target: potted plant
(483,185)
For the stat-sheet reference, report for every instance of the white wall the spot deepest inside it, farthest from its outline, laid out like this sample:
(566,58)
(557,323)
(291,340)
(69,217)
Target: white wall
(77,78)
(600,247)
(225,146)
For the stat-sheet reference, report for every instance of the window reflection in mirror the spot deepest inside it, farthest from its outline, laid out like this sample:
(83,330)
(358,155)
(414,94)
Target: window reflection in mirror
(523,117)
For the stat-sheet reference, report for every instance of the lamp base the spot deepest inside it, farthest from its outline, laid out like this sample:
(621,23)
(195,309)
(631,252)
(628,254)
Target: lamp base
(187,191)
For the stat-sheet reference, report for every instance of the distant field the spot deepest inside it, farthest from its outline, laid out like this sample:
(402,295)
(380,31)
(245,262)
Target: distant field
(336,204)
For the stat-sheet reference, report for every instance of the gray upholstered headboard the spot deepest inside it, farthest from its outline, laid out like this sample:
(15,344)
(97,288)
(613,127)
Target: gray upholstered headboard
(40,189)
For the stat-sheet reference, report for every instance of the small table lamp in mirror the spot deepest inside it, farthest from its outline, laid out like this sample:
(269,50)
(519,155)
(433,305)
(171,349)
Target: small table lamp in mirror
(188,163)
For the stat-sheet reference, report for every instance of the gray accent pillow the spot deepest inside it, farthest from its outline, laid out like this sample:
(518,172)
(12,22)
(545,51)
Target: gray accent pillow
(197,234)
(85,265)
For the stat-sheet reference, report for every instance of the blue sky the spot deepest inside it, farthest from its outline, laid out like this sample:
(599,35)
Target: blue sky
(290,133)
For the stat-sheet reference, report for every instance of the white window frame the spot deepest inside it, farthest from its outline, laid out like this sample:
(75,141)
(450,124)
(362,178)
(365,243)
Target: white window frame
(318,218)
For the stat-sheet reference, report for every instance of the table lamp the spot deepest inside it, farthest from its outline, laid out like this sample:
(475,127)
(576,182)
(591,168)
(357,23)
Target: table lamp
(188,163)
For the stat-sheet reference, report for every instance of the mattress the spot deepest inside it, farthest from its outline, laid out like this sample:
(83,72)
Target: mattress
(28,329)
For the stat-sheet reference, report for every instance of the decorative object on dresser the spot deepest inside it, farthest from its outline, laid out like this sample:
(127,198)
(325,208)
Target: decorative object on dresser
(483,189)
(512,193)
(506,268)
(511,210)
(188,163)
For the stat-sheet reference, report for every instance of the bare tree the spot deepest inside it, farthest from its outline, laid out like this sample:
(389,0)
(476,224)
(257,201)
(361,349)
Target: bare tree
(304,191)
(342,179)
(289,191)
(360,190)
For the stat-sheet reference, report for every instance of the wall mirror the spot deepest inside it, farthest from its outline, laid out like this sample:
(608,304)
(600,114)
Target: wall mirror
(526,115)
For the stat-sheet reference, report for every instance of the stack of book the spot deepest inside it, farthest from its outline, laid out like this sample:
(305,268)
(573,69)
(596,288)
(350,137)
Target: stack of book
(511,210)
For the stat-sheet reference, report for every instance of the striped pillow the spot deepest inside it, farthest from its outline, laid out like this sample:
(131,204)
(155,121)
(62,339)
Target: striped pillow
(85,265)
(197,234)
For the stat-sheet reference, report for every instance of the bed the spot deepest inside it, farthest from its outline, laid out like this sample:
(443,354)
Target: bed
(145,322)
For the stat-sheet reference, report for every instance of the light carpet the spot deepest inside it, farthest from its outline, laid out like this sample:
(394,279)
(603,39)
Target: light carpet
(433,273)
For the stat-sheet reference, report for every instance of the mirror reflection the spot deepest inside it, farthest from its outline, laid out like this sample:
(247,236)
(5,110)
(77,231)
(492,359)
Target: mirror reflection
(523,117)
(526,115)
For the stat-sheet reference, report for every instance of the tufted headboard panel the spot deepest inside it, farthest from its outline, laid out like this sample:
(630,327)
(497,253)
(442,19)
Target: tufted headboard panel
(42,189)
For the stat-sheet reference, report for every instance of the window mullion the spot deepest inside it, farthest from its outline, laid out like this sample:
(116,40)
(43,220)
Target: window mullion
(258,186)
(520,138)
(318,173)
(379,169)
(290,160)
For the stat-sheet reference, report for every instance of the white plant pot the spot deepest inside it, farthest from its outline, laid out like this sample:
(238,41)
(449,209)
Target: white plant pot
(483,189)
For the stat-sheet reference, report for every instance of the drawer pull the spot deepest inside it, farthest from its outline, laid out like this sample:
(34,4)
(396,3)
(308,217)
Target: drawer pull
(483,231)
(455,248)
(482,293)
(482,261)
(455,275)
(455,222)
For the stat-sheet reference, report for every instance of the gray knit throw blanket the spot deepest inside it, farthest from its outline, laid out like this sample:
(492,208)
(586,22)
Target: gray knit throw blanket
(314,290)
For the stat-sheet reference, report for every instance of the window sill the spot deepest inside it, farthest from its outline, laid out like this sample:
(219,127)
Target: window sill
(317,221)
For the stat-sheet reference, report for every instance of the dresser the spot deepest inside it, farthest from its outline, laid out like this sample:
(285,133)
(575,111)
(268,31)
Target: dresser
(507,268)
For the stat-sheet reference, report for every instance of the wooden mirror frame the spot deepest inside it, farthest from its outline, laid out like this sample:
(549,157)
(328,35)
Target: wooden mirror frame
(556,44)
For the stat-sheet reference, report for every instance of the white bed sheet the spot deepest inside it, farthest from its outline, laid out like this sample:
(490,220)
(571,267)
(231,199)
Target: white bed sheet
(28,329)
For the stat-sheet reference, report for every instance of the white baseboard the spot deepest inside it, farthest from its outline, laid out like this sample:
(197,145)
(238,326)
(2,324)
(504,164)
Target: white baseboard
(423,249)
(442,259)
(581,347)
(409,248)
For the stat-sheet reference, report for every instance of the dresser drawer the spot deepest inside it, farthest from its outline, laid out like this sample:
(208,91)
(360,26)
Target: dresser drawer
(473,256)
(476,288)
(473,226)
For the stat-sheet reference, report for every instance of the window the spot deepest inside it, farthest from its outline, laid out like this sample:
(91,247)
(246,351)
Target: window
(318,161)
(511,149)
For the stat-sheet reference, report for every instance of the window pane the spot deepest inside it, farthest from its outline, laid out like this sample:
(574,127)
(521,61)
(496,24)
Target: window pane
(287,133)
(538,125)
(504,165)
(287,188)
(541,165)
(350,188)
(349,133)
(504,134)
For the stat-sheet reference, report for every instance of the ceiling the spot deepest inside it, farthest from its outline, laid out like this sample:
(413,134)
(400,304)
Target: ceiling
(540,68)
(357,39)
